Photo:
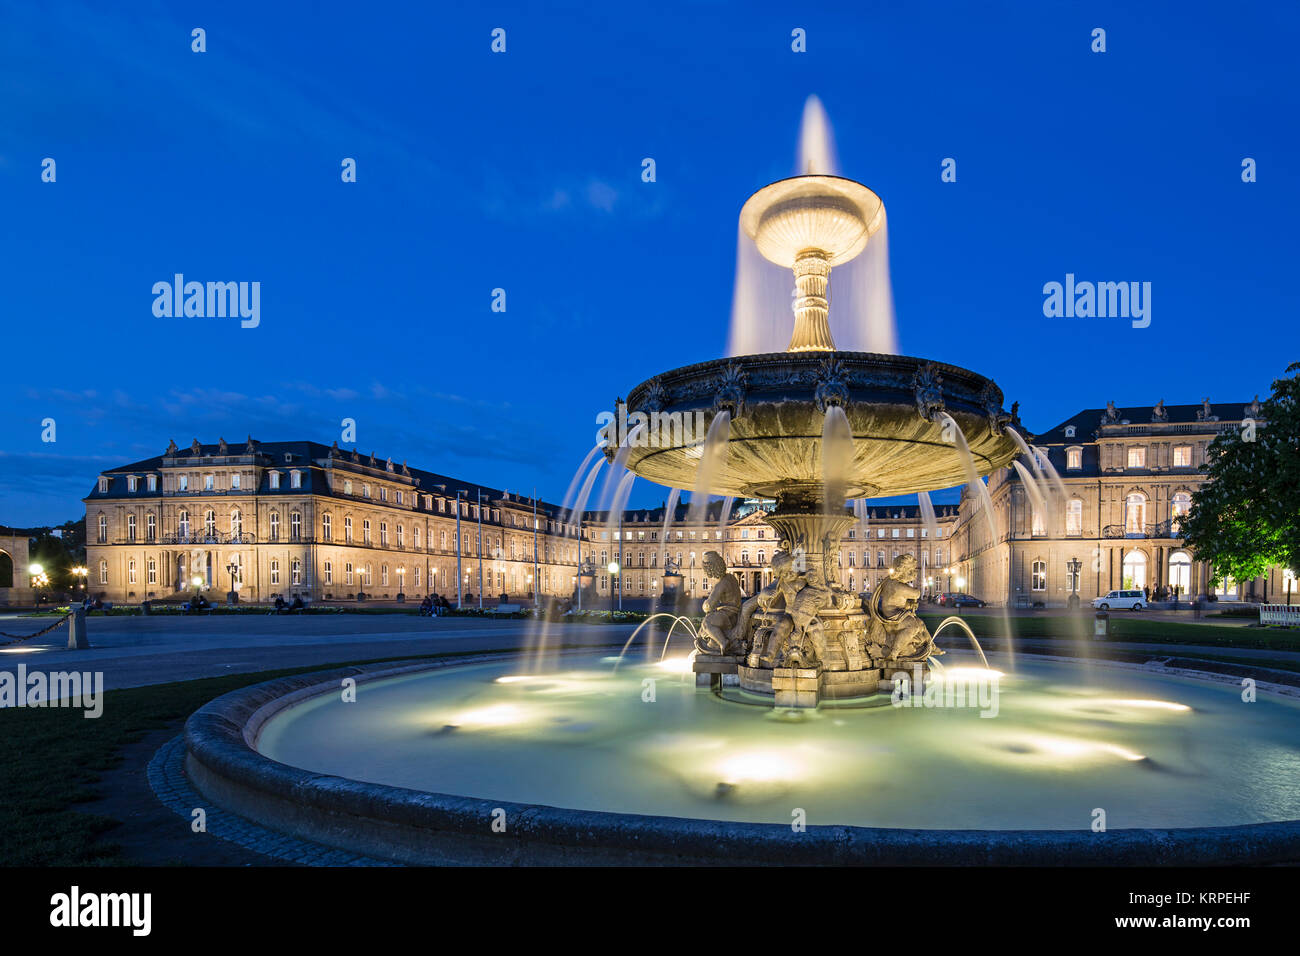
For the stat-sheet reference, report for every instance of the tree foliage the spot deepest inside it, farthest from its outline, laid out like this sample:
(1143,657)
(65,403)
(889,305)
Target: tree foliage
(1247,517)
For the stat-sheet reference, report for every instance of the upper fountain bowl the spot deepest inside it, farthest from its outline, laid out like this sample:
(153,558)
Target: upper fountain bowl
(830,214)
(895,406)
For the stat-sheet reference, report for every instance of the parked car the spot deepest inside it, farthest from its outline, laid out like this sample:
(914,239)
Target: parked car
(960,599)
(1133,600)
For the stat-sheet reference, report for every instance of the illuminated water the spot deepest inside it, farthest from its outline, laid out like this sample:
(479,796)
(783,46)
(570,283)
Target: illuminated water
(1151,751)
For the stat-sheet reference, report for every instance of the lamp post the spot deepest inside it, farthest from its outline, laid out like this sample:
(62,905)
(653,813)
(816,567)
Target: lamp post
(1074,564)
(616,580)
(39,580)
(232,568)
(81,572)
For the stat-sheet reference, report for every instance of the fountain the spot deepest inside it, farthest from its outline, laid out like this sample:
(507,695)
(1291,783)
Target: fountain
(564,755)
(810,428)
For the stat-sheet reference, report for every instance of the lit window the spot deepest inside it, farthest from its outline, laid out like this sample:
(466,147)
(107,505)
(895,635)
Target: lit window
(1039,582)
(295,525)
(182,482)
(103,572)
(1179,505)
(1039,528)
(1137,457)
(1182,456)
(1135,513)
(1073,458)
(1074,517)
(295,572)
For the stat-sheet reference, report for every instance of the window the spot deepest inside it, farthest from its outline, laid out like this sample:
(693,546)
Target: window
(130,571)
(210,523)
(365,491)
(365,531)
(151,527)
(383,493)
(1069,431)
(1180,571)
(182,482)
(1038,528)
(234,482)
(295,525)
(131,482)
(383,534)
(1039,576)
(274,478)
(103,572)
(894,534)
(152,482)
(130,527)
(347,573)
(369,575)
(1137,457)
(295,572)
(1182,456)
(295,479)
(236,523)
(152,571)
(327,526)
(415,537)
(1074,517)
(347,531)
(347,487)
(401,498)
(1135,570)
(1073,459)
(209,482)
(275,526)
(1135,514)
(329,572)
(183,525)
(1179,505)
(275,570)
(1071,579)
(103,484)
(383,575)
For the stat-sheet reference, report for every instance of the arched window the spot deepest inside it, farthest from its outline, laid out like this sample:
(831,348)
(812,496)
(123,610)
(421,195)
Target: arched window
(383,575)
(295,572)
(295,525)
(1038,577)
(130,527)
(103,529)
(183,525)
(236,523)
(151,527)
(1180,571)
(327,526)
(275,526)
(210,523)
(1179,505)
(103,571)
(1135,569)
(347,531)
(130,571)
(1135,514)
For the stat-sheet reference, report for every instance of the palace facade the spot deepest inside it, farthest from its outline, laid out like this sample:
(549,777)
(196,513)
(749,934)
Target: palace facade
(1126,475)
(302,518)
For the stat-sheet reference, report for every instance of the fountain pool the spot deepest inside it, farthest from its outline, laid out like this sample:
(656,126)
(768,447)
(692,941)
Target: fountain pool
(1150,751)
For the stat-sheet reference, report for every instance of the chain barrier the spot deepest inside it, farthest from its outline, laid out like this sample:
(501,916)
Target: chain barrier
(19,638)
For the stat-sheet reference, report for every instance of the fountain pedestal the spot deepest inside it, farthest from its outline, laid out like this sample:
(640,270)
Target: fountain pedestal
(711,670)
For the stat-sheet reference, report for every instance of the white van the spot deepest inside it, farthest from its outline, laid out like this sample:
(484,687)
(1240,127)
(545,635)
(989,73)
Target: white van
(1120,599)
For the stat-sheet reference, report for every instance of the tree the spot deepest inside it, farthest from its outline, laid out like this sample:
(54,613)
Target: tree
(1246,519)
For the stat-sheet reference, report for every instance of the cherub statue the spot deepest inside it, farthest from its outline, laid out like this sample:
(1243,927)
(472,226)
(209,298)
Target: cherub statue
(894,632)
(786,630)
(719,631)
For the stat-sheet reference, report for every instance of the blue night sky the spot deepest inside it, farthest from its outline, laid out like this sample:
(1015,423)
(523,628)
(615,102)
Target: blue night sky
(523,171)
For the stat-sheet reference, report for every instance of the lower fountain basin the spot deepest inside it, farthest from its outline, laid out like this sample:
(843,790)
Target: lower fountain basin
(778,406)
(585,766)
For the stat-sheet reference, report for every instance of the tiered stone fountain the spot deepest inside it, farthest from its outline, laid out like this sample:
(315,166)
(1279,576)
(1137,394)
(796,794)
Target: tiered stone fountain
(804,638)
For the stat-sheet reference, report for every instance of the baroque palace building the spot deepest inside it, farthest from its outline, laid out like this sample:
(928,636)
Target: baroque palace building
(302,518)
(1127,475)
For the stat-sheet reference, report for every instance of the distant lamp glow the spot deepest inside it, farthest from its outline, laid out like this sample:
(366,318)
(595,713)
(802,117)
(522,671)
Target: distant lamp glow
(36,569)
(755,767)
(613,567)
(196,581)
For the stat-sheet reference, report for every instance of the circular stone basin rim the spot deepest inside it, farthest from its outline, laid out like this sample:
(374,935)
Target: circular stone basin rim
(421,827)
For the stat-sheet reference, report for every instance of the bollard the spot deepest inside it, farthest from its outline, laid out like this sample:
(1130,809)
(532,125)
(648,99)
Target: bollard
(1101,626)
(77,630)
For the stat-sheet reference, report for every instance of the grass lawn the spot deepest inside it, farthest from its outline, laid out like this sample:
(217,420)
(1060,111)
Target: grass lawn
(53,758)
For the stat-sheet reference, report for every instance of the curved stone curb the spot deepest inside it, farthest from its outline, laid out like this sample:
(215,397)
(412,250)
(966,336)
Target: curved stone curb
(413,826)
(168,781)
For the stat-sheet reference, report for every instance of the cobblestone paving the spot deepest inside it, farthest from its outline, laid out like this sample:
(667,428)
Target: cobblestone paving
(172,787)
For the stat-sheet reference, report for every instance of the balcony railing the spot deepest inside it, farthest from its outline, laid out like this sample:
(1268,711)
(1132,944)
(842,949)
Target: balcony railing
(1162,529)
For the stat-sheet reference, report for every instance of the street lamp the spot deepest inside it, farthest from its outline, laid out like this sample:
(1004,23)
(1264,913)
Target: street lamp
(613,571)
(232,568)
(1074,564)
(39,580)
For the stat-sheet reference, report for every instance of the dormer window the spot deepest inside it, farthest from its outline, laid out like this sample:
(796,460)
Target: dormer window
(273,480)
(132,482)
(1069,431)
(295,479)
(1073,458)
(152,482)
(103,485)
